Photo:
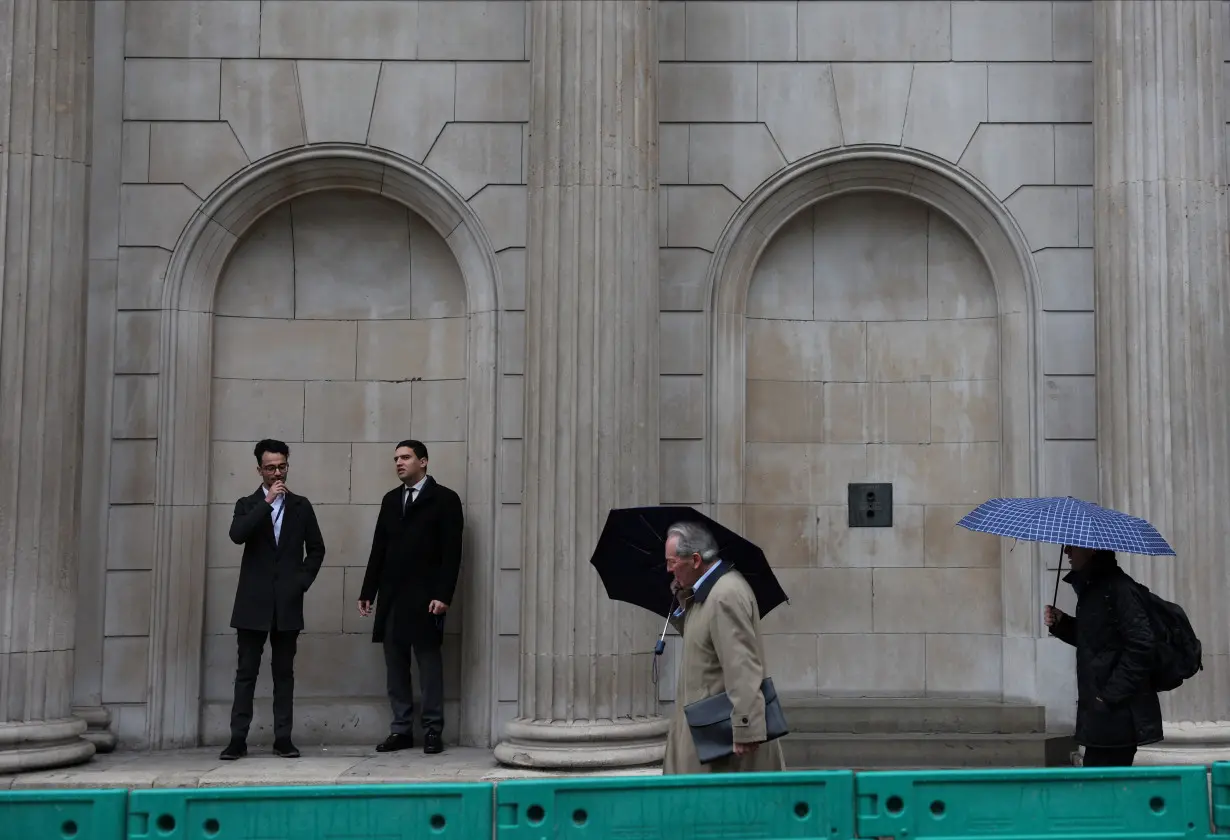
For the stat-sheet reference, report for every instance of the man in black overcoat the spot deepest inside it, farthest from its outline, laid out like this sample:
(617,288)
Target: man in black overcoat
(282,553)
(1117,709)
(411,576)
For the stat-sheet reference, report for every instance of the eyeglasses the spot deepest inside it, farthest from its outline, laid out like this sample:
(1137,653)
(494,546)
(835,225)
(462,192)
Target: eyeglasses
(275,468)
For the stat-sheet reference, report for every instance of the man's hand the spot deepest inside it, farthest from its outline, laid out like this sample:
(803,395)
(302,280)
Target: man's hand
(1052,616)
(365,608)
(746,749)
(437,608)
(278,488)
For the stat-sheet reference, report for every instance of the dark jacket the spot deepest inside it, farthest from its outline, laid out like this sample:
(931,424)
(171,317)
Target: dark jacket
(274,574)
(1116,705)
(415,559)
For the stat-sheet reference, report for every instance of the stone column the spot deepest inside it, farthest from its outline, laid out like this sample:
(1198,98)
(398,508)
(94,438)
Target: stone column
(591,382)
(44,125)
(1162,349)
(106,130)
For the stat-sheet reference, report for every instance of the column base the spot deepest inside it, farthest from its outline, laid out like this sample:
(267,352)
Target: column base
(1186,742)
(583,744)
(98,723)
(43,744)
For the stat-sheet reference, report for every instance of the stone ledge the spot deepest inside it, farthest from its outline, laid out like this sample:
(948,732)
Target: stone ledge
(201,768)
(918,751)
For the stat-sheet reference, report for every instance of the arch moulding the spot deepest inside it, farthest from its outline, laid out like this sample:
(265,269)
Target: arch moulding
(184,393)
(989,225)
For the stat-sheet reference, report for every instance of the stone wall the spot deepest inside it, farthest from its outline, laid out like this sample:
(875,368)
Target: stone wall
(872,350)
(1001,92)
(341,329)
(190,94)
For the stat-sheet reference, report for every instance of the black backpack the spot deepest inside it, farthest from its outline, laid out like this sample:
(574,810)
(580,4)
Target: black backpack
(1177,651)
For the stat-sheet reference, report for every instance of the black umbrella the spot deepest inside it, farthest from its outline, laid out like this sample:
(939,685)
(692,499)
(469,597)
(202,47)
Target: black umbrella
(631,558)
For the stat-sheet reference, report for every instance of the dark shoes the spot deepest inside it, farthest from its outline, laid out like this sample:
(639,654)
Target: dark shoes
(432,743)
(282,748)
(395,742)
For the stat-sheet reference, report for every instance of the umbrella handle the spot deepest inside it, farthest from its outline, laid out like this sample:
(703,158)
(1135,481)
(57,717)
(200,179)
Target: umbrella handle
(659,648)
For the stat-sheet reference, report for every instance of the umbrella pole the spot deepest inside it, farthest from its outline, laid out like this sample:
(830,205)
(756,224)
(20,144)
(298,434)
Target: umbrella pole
(1058,574)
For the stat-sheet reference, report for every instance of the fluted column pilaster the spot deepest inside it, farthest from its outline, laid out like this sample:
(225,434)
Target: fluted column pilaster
(591,382)
(1162,344)
(44,137)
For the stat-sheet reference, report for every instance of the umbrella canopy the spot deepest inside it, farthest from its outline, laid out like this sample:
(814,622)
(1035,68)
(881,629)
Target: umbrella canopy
(1066,521)
(631,558)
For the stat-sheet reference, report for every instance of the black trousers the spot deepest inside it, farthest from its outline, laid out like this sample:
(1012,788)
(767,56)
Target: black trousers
(400,690)
(283,643)
(1109,756)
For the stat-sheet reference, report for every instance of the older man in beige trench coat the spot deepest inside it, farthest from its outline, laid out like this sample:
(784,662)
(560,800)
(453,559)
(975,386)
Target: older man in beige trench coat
(722,651)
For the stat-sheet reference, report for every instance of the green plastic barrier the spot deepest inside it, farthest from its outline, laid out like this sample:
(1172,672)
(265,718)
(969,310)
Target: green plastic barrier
(63,814)
(340,812)
(1221,797)
(749,806)
(1130,803)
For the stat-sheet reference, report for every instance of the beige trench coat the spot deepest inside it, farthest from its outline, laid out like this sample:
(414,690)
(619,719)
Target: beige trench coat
(722,651)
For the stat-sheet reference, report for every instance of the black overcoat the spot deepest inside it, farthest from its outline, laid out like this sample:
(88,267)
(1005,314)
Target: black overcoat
(1115,704)
(274,574)
(415,559)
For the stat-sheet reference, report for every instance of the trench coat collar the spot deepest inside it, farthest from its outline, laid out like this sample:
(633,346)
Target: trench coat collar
(702,591)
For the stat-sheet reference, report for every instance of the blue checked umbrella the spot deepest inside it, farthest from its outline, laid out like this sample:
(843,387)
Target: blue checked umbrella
(1066,521)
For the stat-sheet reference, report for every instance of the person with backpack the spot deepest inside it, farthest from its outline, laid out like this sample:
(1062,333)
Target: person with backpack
(1118,653)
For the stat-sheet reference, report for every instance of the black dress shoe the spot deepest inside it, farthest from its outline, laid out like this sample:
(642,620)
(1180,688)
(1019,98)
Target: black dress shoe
(433,744)
(234,750)
(283,748)
(395,742)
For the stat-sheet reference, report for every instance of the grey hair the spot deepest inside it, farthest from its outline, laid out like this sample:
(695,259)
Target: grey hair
(694,538)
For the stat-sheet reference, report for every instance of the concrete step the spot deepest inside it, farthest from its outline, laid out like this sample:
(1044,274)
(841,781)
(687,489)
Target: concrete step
(916,751)
(811,714)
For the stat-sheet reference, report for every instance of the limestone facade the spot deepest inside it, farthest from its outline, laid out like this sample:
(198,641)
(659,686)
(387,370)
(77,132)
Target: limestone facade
(344,222)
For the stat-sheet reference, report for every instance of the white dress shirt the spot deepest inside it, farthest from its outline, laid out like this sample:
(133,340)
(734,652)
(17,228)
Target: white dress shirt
(278,504)
(409,494)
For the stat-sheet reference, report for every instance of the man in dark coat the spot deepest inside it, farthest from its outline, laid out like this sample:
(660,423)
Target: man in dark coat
(1117,709)
(282,552)
(411,575)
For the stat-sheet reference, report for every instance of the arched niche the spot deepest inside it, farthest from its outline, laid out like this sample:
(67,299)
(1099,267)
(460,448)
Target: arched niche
(182,484)
(984,219)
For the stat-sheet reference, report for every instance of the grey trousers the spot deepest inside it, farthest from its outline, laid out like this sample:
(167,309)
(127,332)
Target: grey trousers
(400,690)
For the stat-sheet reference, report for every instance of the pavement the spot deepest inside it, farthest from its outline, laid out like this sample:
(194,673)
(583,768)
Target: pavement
(343,765)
